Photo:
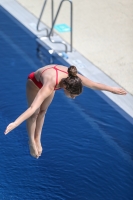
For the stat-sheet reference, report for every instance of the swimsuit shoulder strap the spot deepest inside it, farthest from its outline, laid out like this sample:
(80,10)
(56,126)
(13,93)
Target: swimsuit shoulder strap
(57,74)
(56,69)
(59,69)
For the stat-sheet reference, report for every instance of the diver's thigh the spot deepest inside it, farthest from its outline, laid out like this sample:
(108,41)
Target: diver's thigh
(44,106)
(31,91)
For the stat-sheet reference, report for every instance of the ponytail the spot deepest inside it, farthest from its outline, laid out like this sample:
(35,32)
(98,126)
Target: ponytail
(73,83)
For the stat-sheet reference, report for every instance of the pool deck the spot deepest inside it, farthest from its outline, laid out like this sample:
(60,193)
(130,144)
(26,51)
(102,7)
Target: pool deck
(102,32)
(103,48)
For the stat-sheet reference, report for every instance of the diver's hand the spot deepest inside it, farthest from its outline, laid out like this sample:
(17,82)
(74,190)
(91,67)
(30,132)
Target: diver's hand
(119,91)
(10,127)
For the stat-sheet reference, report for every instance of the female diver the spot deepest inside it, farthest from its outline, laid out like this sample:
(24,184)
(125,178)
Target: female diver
(40,89)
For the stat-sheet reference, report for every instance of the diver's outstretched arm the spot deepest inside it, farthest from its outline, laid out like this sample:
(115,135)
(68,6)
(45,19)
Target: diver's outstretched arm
(43,93)
(99,86)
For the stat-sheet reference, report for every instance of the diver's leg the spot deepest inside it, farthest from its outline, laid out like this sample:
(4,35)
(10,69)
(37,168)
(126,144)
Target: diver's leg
(40,121)
(31,92)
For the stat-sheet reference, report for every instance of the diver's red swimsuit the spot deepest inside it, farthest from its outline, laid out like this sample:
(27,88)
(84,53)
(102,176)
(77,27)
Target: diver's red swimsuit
(39,84)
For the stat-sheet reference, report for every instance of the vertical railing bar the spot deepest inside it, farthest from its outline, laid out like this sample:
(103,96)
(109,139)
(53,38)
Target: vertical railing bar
(71,37)
(41,17)
(52,16)
(41,14)
(53,27)
(54,20)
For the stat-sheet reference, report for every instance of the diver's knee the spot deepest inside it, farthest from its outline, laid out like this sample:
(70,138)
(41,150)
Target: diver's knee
(42,112)
(34,117)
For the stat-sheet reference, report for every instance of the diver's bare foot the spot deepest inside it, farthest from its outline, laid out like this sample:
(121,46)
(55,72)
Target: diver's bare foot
(39,147)
(33,149)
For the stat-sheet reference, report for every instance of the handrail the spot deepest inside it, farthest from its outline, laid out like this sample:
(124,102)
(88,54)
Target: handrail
(52,15)
(66,48)
(54,20)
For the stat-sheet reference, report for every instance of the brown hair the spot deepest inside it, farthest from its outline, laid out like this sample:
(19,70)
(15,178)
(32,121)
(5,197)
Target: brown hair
(73,83)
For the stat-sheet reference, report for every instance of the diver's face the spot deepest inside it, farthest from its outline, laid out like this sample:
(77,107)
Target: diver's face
(69,95)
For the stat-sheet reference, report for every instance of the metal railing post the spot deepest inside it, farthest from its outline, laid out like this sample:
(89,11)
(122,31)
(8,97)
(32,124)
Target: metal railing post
(52,13)
(59,42)
(37,27)
(54,21)
(71,22)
